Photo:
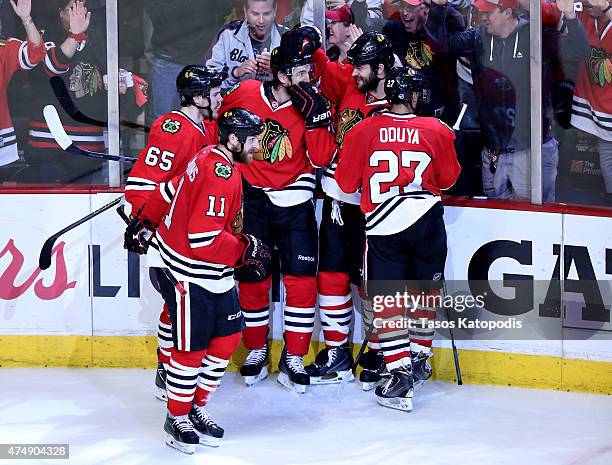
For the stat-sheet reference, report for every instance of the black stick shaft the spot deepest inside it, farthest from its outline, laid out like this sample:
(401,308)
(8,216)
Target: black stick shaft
(44,260)
(455,351)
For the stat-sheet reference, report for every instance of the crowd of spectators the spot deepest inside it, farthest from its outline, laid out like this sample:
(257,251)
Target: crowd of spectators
(475,52)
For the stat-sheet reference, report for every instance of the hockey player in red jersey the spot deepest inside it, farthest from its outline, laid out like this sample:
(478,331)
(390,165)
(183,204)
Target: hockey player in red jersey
(356,89)
(201,242)
(173,141)
(278,205)
(402,162)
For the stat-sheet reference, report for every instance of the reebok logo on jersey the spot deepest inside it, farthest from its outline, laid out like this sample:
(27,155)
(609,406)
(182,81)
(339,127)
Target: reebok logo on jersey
(222,170)
(171,125)
(306,258)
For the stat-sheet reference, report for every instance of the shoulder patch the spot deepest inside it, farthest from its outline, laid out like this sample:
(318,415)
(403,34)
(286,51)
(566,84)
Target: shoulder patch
(223,170)
(171,125)
(2,42)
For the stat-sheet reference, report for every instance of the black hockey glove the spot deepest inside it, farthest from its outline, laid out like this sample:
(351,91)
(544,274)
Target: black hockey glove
(138,235)
(254,265)
(311,39)
(315,108)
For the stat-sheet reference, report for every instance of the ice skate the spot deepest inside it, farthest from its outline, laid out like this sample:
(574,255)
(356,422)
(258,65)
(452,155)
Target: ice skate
(292,374)
(209,432)
(331,366)
(180,434)
(160,383)
(421,369)
(374,371)
(397,391)
(255,366)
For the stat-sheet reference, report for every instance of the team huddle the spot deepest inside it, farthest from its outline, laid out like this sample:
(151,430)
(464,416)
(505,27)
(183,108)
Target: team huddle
(228,182)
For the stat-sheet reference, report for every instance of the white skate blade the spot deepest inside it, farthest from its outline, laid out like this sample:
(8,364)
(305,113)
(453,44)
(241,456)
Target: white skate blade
(161,394)
(251,380)
(333,378)
(418,383)
(180,446)
(369,386)
(403,403)
(284,380)
(209,441)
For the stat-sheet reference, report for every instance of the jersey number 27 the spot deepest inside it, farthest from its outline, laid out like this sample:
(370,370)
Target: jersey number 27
(414,162)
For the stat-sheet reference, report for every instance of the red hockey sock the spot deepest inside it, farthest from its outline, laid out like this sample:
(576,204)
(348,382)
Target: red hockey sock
(299,312)
(181,379)
(164,336)
(214,363)
(335,306)
(254,302)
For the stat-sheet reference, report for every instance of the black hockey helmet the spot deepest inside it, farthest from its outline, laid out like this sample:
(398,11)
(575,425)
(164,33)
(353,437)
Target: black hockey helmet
(241,122)
(292,51)
(371,48)
(402,82)
(196,80)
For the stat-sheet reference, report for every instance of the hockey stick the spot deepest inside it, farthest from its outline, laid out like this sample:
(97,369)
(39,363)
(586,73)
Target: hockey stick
(356,361)
(63,97)
(59,134)
(44,260)
(179,287)
(452,335)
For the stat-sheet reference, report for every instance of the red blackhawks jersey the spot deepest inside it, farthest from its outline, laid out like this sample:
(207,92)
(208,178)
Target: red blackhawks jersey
(200,215)
(401,163)
(592,105)
(14,55)
(283,167)
(173,141)
(352,106)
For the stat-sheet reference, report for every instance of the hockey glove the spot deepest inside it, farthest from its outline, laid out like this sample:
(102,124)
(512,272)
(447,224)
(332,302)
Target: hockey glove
(138,235)
(315,108)
(254,265)
(311,39)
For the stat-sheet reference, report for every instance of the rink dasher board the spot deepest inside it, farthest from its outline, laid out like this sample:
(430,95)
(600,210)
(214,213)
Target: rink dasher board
(97,297)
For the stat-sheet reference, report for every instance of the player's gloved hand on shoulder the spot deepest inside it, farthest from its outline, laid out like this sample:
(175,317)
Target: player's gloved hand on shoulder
(254,264)
(315,108)
(138,235)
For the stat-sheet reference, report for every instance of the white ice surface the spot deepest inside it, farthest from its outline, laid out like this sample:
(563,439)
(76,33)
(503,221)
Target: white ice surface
(110,416)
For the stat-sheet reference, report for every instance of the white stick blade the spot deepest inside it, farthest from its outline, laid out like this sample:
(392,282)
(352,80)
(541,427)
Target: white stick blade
(56,127)
(461,113)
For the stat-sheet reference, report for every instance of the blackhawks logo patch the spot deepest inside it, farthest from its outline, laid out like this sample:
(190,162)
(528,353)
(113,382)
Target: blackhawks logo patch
(599,67)
(347,120)
(223,170)
(275,144)
(171,125)
(419,55)
(238,222)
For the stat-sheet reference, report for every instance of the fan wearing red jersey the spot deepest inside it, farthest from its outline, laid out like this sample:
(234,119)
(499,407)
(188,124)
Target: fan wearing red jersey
(200,240)
(402,162)
(15,55)
(278,205)
(356,89)
(173,141)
